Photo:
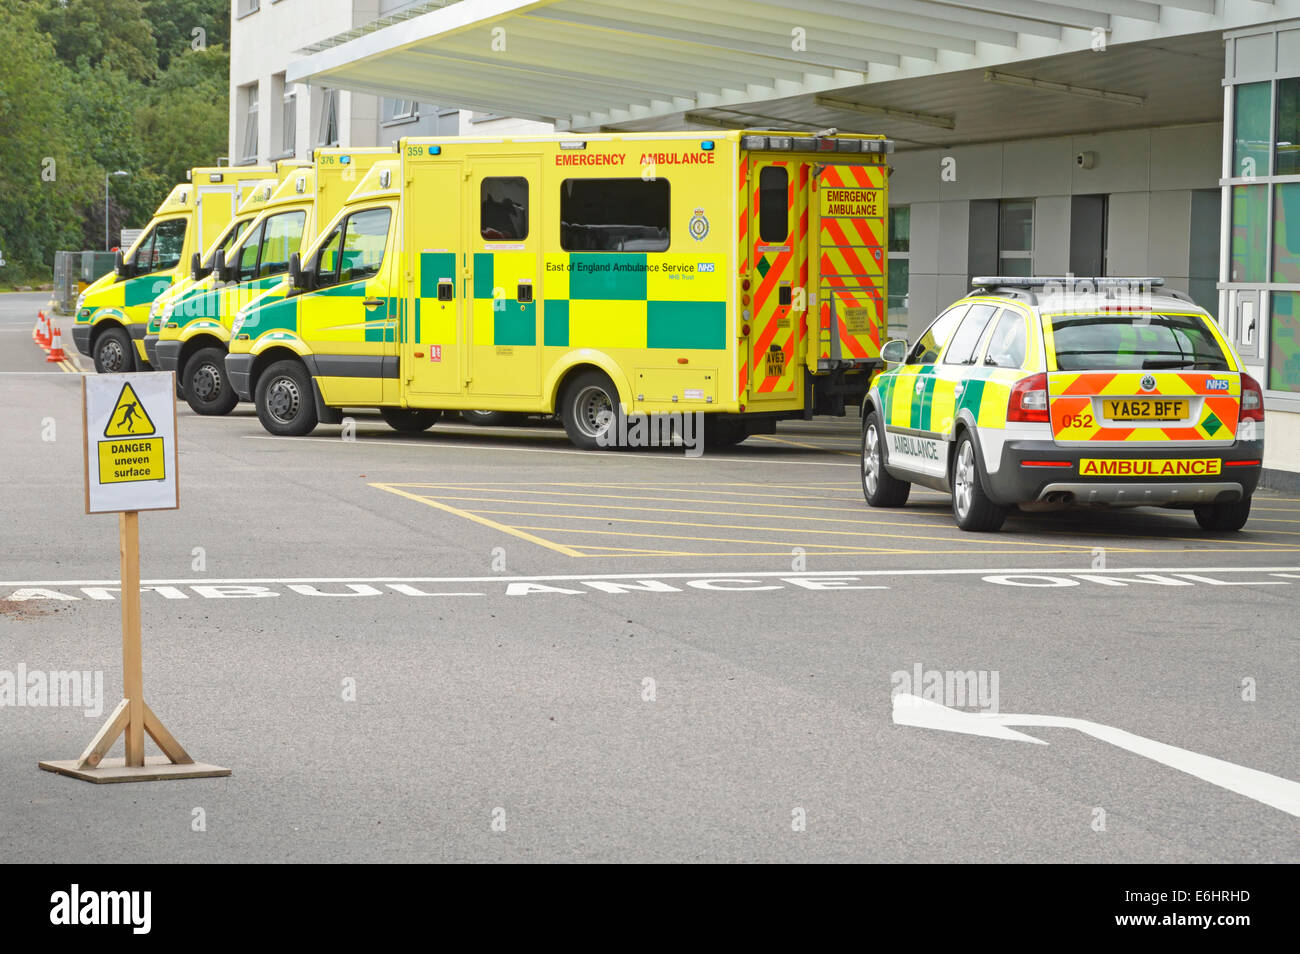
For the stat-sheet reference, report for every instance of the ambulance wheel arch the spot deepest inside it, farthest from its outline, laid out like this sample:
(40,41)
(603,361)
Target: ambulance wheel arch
(564,372)
(263,358)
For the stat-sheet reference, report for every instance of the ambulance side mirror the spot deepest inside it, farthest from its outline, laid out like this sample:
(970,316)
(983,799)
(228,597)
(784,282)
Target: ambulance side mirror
(894,351)
(219,265)
(121,266)
(197,271)
(299,279)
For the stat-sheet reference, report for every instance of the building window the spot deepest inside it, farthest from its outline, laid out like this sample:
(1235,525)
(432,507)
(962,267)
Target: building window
(289,124)
(773,204)
(1016,237)
(246,7)
(1249,231)
(503,208)
(328,127)
(614,215)
(1284,342)
(1250,130)
(900,267)
(398,111)
(1286,233)
(1286,156)
(248,146)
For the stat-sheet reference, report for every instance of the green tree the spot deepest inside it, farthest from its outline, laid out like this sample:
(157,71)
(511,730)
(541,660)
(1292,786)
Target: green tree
(112,33)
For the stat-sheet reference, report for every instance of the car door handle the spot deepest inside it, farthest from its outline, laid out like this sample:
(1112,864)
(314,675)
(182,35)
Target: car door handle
(372,302)
(920,385)
(958,389)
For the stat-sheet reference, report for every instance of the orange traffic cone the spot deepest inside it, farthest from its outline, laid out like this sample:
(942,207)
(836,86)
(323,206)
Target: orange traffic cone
(43,330)
(56,347)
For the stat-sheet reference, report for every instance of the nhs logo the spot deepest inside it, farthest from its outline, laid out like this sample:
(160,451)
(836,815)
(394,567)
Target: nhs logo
(1213,384)
(704,267)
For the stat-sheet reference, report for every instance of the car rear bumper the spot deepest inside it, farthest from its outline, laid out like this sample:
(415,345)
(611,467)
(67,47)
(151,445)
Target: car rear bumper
(1044,472)
(239,369)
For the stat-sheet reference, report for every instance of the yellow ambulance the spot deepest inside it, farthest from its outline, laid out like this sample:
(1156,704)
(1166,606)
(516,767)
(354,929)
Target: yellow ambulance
(111,314)
(190,332)
(738,275)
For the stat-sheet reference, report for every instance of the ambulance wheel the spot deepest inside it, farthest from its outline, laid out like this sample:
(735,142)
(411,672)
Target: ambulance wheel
(114,352)
(1223,516)
(971,508)
(207,389)
(879,486)
(409,420)
(719,432)
(285,403)
(492,418)
(590,409)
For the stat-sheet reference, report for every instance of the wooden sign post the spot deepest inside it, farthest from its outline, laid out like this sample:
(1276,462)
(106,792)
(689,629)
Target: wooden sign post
(129,435)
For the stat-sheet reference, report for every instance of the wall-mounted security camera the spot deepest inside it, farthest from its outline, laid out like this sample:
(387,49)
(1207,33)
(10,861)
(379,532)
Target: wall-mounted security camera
(1085,160)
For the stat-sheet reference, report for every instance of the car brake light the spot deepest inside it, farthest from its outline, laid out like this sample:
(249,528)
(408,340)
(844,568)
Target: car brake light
(1252,399)
(1028,401)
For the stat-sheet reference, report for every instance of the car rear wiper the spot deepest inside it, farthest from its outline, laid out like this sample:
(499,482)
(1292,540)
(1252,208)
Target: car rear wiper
(1209,364)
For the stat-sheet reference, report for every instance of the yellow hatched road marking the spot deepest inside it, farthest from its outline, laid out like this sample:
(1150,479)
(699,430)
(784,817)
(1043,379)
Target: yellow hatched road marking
(792,530)
(513,531)
(782,440)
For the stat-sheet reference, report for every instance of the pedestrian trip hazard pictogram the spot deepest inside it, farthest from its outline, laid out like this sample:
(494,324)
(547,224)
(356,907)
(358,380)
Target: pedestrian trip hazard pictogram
(129,418)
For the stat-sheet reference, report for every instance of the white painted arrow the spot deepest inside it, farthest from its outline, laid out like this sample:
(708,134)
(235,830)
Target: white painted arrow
(1271,790)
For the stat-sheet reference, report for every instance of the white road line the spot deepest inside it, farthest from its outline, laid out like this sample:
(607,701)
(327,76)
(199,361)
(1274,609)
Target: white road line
(590,455)
(648,574)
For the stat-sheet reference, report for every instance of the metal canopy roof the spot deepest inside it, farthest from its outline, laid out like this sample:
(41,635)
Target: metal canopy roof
(587,64)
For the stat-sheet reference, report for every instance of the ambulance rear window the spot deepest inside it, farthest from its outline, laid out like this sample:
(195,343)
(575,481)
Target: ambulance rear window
(1138,341)
(773,204)
(614,215)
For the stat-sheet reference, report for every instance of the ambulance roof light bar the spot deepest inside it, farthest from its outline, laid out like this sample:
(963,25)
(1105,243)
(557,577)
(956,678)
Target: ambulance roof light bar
(1062,281)
(815,144)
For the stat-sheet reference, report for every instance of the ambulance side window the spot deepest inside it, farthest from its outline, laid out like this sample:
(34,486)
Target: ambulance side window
(364,235)
(927,348)
(280,236)
(144,255)
(969,335)
(773,204)
(327,259)
(614,215)
(1007,345)
(168,242)
(503,208)
(246,266)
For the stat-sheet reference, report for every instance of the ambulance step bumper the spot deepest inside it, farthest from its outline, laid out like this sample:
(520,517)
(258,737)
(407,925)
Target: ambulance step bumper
(1138,494)
(81,338)
(166,354)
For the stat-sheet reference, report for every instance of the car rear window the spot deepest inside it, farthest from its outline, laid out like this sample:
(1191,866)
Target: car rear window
(1135,342)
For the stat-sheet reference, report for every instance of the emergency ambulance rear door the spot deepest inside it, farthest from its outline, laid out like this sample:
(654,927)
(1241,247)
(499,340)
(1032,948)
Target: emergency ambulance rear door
(847,221)
(435,360)
(504,238)
(775,243)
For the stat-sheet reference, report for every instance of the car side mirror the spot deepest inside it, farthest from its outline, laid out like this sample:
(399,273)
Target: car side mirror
(894,351)
(121,266)
(197,271)
(219,266)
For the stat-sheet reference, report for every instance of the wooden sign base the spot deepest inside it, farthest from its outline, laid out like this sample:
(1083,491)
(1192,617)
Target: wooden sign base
(132,718)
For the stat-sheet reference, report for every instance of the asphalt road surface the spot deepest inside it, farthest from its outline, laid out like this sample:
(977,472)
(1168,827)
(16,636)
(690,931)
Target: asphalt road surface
(482,644)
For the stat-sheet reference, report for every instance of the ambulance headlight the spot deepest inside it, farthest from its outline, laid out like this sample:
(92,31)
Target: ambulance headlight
(81,302)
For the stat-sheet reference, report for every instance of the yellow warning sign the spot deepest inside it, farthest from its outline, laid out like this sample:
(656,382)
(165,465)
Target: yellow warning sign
(129,418)
(123,461)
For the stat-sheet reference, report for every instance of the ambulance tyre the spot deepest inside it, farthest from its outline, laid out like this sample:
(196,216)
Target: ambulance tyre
(1223,516)
(114,352)
(207,389)
(409,420)
(970,507)
(285,403)
(590,408)
(879,486)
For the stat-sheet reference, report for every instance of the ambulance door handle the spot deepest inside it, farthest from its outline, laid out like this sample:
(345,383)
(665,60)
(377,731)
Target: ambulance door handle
(958,389)
(524,293)
(445,291)
(372,302)
(920,385)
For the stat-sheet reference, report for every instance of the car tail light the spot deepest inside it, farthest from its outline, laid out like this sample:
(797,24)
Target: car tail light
(1028,401)
(1252,399)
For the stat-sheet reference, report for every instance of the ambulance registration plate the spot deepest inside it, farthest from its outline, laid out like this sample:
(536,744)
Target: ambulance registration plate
(1144,409)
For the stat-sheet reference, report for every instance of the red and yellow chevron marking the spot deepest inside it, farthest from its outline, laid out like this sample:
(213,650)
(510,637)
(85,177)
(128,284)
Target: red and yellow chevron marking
(1075,416)
(852,266)
(742,251)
